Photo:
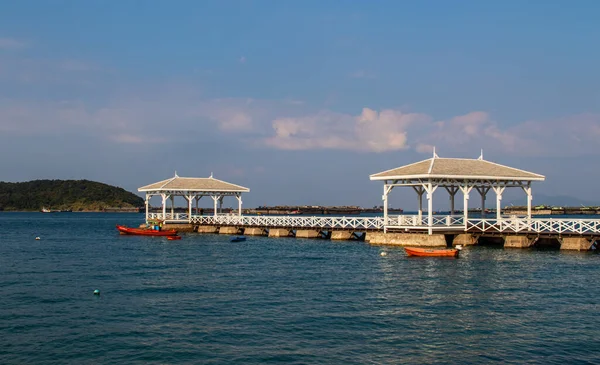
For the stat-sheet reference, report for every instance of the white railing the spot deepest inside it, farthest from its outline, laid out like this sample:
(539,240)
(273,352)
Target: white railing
(504,225)
(536,225)
(413,221)
(374,223)
(177,217)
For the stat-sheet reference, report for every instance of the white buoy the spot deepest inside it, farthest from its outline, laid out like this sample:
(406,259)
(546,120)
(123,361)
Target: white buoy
(383,253)
(37,238)
(458,247)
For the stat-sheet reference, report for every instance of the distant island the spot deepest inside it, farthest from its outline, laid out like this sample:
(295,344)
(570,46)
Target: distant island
(66,195)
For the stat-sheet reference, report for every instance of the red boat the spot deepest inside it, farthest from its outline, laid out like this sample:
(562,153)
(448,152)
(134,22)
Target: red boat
(145,232)
(431,252)
(174,238)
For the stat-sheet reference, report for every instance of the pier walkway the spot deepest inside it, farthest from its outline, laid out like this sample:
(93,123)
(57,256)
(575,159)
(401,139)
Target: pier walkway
(402,223)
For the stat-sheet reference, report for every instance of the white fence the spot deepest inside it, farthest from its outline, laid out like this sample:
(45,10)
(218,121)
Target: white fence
(456,223)
(536,225)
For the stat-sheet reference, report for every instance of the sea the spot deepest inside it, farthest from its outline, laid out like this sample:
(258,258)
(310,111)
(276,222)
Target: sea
(206,300)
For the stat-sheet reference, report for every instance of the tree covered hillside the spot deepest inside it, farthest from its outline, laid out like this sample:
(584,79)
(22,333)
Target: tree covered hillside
(78,195)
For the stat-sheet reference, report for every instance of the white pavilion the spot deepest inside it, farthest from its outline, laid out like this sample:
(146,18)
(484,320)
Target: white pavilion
(192,189)
(453,174)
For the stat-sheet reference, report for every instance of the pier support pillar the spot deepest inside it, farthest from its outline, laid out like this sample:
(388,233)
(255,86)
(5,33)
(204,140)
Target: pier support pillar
(307,233)
(207,229)
(518,242)
(229,230)
(575,243)
(280,232)
(255,232)
(406,239)
(341,235)
(465,239)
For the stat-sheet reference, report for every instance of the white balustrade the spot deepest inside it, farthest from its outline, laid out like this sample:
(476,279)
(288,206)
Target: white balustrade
(508,224)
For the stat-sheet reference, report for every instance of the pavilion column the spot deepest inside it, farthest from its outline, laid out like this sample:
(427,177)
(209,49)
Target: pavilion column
(239,199)
(420,190)
(197,199)
(429,188)
(147,202)
(452,190)
(164,206)
(466,189)
(221,204)
(483,192)
(172,207)
(215,200)
(499,190)
(386,191)
(190,198)
(527,190)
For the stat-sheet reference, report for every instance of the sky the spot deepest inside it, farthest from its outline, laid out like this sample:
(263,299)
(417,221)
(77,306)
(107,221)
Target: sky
(300,101)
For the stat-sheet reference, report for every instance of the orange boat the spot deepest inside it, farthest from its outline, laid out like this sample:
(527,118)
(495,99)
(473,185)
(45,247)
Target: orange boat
(431,252)
(145,232)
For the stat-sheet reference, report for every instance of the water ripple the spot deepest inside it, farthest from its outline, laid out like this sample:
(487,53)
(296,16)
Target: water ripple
(206,300)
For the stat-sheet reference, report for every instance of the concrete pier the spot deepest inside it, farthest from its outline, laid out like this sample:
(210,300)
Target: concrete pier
(255,232)
(207,229)
(280,232)
(465,239)
(406,239)
(307,233)
(575,243)
(518,242)
(341,235)
(180,227)
(229,230)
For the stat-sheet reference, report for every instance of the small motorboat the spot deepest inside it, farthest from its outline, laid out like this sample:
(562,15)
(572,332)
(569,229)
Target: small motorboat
(238,239)
(431,252)
(171,238)
(145,231)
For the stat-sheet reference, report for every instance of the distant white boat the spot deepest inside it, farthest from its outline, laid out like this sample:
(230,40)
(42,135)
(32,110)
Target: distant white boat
(45,210)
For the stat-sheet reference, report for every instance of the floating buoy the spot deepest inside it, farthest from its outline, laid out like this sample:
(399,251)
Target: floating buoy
(458,247)
(383,253)
(37,238)
(96,292)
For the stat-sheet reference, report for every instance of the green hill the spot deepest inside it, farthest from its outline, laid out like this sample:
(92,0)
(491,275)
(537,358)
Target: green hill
(78,195)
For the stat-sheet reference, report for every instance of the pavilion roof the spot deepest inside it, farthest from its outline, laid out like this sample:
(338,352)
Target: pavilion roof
(457,168)
(209,184)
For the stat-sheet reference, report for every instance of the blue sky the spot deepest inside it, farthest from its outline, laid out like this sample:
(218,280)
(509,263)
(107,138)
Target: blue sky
(299,101)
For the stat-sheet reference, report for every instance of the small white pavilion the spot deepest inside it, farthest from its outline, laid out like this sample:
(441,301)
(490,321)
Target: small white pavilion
(454,174)
(192,189)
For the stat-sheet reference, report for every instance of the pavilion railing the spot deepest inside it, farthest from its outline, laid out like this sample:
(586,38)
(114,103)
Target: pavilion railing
(536,225)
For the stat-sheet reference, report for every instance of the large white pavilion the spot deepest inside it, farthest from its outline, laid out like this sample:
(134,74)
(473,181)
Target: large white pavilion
(454,174)
(192,189)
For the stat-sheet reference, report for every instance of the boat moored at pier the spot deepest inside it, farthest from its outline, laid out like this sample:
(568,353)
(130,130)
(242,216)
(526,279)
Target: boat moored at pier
(431,252)
(145,232)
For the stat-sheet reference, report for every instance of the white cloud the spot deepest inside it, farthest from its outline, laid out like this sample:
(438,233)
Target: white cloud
(370,131)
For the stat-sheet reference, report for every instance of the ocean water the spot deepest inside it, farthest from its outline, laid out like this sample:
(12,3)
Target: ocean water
(205,300)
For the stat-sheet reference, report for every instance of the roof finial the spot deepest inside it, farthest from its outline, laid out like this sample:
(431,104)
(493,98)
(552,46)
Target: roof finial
(211,175)
(176,174)
(435,154)
(481,156)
